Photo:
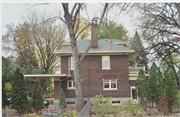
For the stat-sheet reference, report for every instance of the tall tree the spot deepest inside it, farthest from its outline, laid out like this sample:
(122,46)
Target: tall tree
(69,19)
(48,35)
(19,99)
(171,89)
(160,23)
(22,45)
(155,83)
(139,57)
(112,30)
(140,85)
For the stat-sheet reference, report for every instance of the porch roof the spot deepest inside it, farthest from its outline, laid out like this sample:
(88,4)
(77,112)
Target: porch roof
(56,77)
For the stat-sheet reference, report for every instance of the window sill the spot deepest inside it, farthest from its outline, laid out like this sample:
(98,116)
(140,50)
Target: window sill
(106,69)
(70,88)
(110,89)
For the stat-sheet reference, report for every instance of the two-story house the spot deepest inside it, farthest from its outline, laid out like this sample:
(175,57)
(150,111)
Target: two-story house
(104,70)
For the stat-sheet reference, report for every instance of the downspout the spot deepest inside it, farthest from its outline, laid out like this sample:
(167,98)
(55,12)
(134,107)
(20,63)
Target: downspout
(68,70)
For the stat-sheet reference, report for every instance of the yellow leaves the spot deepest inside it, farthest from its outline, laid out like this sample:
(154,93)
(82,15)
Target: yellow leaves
(157,83)
(82,24)
(6,111)
(7,86)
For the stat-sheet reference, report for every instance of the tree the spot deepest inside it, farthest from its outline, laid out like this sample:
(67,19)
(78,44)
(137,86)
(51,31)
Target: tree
(4,97)
(62,99)
(155,83)
(44,83)
(140,84)
(19,99)
(112,30)
(171,89)
(157,22)
(139,57)
(37,97)
(39,100)
(7,71)
(23,45)
(70,19)
(48,35)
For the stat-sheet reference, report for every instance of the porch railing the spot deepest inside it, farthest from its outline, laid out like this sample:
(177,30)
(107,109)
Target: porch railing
(135,70)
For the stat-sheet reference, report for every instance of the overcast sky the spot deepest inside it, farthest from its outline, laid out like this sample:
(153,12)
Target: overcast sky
(11,13)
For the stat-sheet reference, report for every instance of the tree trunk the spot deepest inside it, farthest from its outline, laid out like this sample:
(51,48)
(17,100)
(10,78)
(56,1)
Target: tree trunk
(77,74)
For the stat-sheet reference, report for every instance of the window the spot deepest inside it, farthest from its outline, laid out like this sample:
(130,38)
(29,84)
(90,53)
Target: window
(110,84)
(71,84)
(72,67)
(105,62)
(70,102)
(116,102)
(133,93)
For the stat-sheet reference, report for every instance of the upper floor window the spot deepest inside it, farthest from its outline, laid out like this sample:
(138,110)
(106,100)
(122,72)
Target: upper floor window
(71,84)
(110,84)
(72,66)
(105,62)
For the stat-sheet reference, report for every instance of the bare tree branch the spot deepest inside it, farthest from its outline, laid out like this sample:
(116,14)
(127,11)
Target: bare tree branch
(84,54)
(82,31)
(73,9)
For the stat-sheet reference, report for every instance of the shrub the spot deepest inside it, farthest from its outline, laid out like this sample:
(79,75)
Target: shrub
(163,104)
(132,106)
(69,113)
(176,103)
(62,99)
(19,99)
(116,111)
(101,104)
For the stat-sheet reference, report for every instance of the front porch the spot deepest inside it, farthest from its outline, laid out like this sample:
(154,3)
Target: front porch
(55,77)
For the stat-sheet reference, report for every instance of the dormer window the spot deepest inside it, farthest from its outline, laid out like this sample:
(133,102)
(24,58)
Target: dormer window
(105,62)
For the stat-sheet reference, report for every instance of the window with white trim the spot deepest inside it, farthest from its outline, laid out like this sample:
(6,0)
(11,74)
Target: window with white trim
(110,84)
(71,84)
(72,66)
(105,62)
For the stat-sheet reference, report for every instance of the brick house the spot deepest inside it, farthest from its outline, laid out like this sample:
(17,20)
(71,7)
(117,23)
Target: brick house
(104,70)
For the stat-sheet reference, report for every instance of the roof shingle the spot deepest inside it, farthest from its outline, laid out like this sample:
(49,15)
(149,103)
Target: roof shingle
(103,44)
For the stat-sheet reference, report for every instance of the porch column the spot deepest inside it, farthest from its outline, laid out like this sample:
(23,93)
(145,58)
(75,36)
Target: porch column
(56,89)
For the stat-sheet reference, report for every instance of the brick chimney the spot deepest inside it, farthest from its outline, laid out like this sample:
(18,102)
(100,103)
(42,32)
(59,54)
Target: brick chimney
(94,26)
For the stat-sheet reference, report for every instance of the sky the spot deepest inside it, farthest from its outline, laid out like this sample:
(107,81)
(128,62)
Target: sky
(11,12)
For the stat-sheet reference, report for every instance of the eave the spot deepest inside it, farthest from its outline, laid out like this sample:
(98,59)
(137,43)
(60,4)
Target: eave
(135,76)
(56,77)
(109,52)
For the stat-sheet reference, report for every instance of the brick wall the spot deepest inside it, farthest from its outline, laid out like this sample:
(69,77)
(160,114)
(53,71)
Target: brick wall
(92,75)
(132,82)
